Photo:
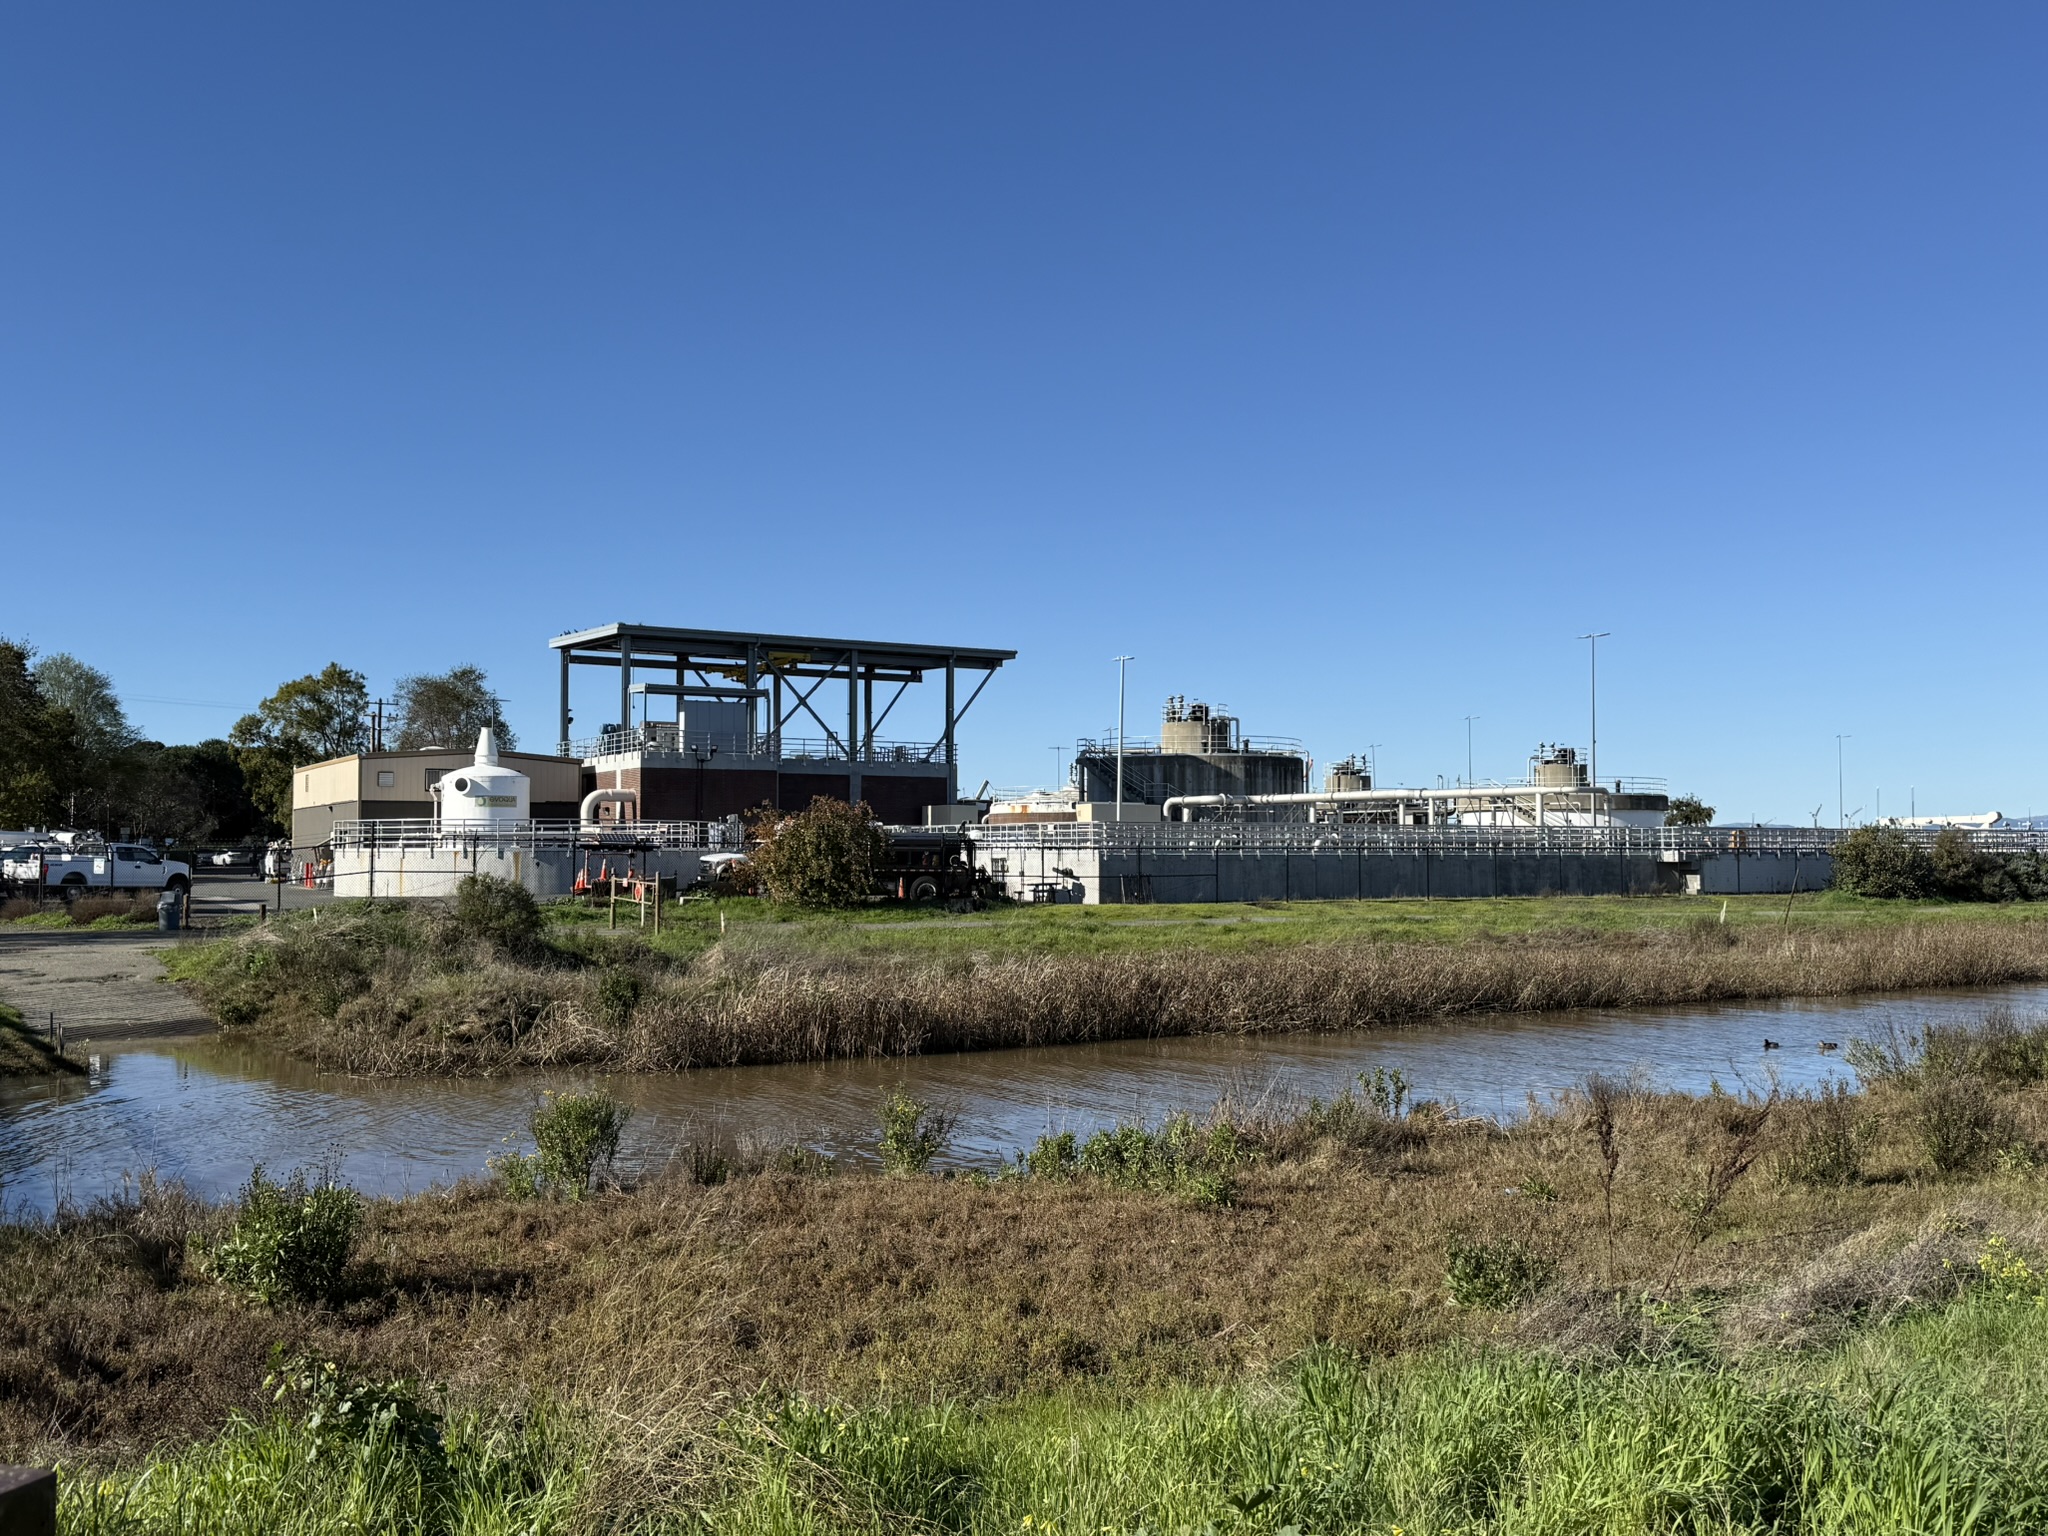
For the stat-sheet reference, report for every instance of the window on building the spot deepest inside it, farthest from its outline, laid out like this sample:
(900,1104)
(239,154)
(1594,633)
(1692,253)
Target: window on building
(306,783)
(387,778)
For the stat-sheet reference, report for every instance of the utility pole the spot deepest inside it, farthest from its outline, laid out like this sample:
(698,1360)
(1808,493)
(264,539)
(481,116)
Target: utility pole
(1841,818)
(1059,757)
(1121,663)
(1372,763)
(1468,748)
(1593,747)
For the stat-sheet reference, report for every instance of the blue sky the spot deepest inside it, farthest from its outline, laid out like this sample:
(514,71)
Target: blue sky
(1343,363)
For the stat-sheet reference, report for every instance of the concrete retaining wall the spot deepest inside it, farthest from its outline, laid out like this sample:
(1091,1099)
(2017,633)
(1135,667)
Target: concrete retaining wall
(1136,875)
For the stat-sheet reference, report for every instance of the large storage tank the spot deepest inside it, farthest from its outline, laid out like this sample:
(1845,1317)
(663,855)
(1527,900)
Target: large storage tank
(484,793)
(1199,751)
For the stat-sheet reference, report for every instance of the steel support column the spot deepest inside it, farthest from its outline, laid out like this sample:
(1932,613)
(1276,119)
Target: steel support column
(952,768)
(853,727)
(562,737)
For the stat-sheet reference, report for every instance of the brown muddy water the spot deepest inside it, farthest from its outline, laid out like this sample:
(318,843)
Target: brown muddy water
(204,1112)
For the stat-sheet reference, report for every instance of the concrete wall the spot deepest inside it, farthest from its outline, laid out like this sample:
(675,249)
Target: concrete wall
(419,872)
(1115,876)
(1765,874)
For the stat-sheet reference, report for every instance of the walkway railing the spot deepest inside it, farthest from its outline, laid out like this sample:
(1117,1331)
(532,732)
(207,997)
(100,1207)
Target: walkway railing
(787,748)
(424,833)
(1323,837)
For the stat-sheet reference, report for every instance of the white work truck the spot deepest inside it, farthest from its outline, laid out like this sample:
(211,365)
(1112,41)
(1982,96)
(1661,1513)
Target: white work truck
(106,866)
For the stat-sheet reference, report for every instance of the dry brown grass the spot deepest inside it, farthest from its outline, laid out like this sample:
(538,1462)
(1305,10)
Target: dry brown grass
(407,1010)
(656,1306)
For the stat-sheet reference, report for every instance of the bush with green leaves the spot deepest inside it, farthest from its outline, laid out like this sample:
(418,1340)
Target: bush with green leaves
(618,994)
(575,1133)
(1493,1274)
(913,1132)
(501,913)
(340,1408)
(1828,1136)
(1882,861)
(289,1242)
(823,856)
(1962,1122)
(1181,1157)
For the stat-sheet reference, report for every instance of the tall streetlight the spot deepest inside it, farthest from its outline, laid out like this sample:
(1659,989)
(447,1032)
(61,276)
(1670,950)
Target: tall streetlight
(1059,757)
(1593,749)
(1841,819)
(1121,663)
(1468,748)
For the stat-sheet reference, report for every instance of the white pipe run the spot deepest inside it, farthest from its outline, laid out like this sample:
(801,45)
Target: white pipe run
(597,797)
(1369,796)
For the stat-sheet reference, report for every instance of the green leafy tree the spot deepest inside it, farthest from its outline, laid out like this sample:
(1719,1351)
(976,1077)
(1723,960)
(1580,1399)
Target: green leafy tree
(823,856)
(1689,811)
(191,794)
(102,763)
(1961,873)
(308,720)
(38,751)
(1880,861)
(447,709)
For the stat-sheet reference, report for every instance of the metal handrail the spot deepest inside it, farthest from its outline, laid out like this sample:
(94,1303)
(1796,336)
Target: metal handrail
(427,833)
(1321,837)
(764,744)
(1250,746)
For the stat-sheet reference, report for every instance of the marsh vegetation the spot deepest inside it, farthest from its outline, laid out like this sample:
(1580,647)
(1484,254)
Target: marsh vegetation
(1627,1311)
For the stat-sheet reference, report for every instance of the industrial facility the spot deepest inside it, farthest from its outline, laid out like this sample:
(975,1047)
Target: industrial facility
(704,726)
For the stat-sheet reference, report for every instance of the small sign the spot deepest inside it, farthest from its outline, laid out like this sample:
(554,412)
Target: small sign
(501,800)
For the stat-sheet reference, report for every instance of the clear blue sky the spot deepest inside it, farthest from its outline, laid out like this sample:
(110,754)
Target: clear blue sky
(1343,363)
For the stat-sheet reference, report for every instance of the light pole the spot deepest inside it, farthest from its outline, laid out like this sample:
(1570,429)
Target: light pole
(1059,757)
(1372,763)
(1121,663)
(1593,748)
(1841,819)
(1468,748)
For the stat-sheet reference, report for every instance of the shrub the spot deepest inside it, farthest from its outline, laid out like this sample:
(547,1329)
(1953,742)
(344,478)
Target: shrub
(913,1132)
(823,856)
(1960,872)
(289,1241)
(1961,1122)
(1880,861)
(502,913)
(520,1173)
(1054,1157)
(1828,1138)
(618,994)
(574,1132)
(341,1409)
(1179,1158)
(1493,1274)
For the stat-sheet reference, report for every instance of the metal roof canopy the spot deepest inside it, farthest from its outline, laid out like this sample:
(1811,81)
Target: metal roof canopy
(758,665)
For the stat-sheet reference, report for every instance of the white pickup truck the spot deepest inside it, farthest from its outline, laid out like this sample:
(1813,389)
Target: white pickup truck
(116,866)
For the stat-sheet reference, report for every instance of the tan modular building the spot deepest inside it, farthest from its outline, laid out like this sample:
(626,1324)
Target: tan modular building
(388,786)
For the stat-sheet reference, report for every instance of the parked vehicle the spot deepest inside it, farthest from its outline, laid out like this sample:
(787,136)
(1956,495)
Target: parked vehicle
(932,864)
(107,866)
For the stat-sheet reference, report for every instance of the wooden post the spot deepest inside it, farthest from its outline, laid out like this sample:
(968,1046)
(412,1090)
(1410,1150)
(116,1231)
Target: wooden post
(612,916)
(28,1501)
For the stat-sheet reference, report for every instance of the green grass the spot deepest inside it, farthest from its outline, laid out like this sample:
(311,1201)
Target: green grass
(1508,1444)
(289,1476)
(691,927)
(1894,1433)
(24,1052)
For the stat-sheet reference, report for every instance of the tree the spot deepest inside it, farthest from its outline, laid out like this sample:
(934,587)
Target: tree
(823,856)
(37,750)
(1689,811)
(191,794)
(1961,873)
(1879,861)
(308,720)
(447,709)
(103,743)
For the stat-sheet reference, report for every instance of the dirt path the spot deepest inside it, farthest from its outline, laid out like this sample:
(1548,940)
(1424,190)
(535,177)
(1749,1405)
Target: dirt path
(103,986)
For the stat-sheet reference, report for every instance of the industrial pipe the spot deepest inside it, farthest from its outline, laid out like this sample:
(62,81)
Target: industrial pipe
(599,797)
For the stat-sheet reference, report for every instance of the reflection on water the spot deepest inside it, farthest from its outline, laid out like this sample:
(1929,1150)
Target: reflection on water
(204,1113)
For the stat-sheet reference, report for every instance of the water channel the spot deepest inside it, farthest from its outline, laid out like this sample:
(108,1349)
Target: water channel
(203,1112)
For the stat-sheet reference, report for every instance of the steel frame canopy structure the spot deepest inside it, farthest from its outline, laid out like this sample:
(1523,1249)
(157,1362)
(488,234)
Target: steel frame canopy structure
(786,672)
